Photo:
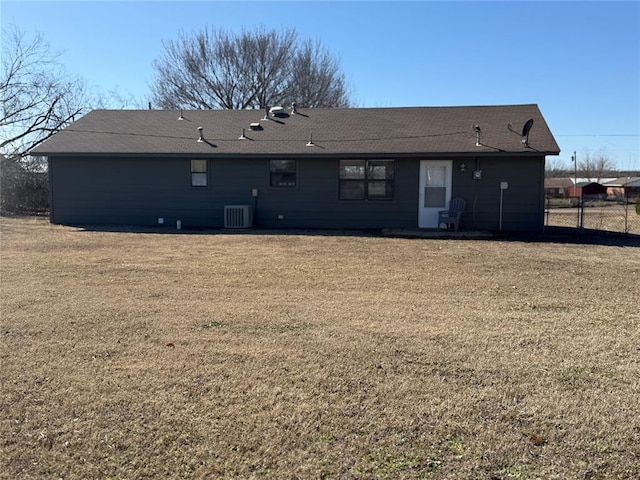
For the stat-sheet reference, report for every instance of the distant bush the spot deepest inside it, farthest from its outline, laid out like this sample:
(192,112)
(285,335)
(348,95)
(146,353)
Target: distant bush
(560,202)
(638,205)
(601,203)
(24,187)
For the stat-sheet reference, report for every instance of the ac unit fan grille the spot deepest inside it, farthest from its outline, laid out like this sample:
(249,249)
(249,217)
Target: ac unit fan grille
(238,216)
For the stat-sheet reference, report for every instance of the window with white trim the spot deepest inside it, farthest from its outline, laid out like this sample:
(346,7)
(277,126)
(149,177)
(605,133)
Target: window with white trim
(199,173)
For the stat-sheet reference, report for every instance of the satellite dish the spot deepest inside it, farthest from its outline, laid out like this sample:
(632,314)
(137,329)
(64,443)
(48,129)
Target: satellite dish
(525,132)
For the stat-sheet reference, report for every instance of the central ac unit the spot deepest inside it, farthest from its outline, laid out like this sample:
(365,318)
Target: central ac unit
(238,216)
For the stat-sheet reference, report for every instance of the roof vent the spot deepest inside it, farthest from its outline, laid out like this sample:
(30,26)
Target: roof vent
(243,136)
(276,111)
(180,117)
(266,113)
(255,126)
(310,142)
(294,108)
(201,137)
(478,132)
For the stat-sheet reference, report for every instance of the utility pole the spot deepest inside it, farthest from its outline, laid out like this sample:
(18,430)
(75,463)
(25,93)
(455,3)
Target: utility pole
(574,159)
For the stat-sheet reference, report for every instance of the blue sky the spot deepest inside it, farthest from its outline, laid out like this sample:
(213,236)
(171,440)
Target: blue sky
(579,61)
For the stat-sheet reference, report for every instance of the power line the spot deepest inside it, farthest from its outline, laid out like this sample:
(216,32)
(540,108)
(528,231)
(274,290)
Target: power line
(596,135)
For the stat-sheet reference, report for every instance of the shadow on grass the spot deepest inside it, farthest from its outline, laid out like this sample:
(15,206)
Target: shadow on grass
(569,235)
(230,231)
(561,235)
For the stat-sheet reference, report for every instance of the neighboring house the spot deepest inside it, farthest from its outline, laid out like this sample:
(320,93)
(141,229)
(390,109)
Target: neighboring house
(557,187)
(302,168)
(623,187)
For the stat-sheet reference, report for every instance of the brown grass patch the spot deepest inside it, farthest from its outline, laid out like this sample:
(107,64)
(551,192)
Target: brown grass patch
(141,355)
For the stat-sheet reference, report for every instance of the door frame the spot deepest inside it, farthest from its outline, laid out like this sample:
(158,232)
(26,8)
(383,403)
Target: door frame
(426,218)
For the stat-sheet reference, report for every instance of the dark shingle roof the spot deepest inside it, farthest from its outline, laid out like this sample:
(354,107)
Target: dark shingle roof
(352,131)
(558,182)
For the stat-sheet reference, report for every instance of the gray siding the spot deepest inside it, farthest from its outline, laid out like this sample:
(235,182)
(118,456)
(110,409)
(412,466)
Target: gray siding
(314,202)
(523,201)
(136,191)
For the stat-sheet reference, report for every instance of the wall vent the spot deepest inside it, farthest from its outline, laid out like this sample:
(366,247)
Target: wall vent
(238,216)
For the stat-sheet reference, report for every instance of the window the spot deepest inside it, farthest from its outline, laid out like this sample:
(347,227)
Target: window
(282,173)
(435,190)
(366,179)
(198,173)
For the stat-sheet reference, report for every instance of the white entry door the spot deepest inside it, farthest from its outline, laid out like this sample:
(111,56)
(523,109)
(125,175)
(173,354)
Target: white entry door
(435,191)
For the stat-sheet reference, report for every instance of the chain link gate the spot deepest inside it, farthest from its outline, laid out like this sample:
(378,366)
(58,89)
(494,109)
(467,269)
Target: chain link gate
(594,212)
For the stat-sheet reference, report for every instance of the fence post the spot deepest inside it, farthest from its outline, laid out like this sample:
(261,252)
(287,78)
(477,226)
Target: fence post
(546,210)
(626,210)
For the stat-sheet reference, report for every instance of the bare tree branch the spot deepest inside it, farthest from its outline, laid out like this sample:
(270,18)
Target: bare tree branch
(38,97)
(595,166)
(218,69)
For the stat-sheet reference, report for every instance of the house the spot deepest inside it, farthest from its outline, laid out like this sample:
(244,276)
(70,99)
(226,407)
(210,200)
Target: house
(557,187)
(364,168)
(623,187)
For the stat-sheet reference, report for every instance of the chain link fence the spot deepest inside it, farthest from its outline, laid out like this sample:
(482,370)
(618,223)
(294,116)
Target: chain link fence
(597,212)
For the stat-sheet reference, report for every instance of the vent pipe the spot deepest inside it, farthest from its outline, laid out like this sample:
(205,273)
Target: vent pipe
(478,132)
(201,137)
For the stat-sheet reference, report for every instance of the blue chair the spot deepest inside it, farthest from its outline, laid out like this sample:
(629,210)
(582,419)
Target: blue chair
(451,217)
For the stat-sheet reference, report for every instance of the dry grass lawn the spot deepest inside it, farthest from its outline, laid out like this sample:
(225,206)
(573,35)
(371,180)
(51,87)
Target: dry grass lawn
(131,355)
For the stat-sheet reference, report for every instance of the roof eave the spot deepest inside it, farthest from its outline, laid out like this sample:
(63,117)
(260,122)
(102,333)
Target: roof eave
(422,154)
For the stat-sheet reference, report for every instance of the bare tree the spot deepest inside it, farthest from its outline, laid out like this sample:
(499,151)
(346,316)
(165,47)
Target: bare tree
(596,166)
(38,97)
(218,69)
(316,79)
(555,168)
